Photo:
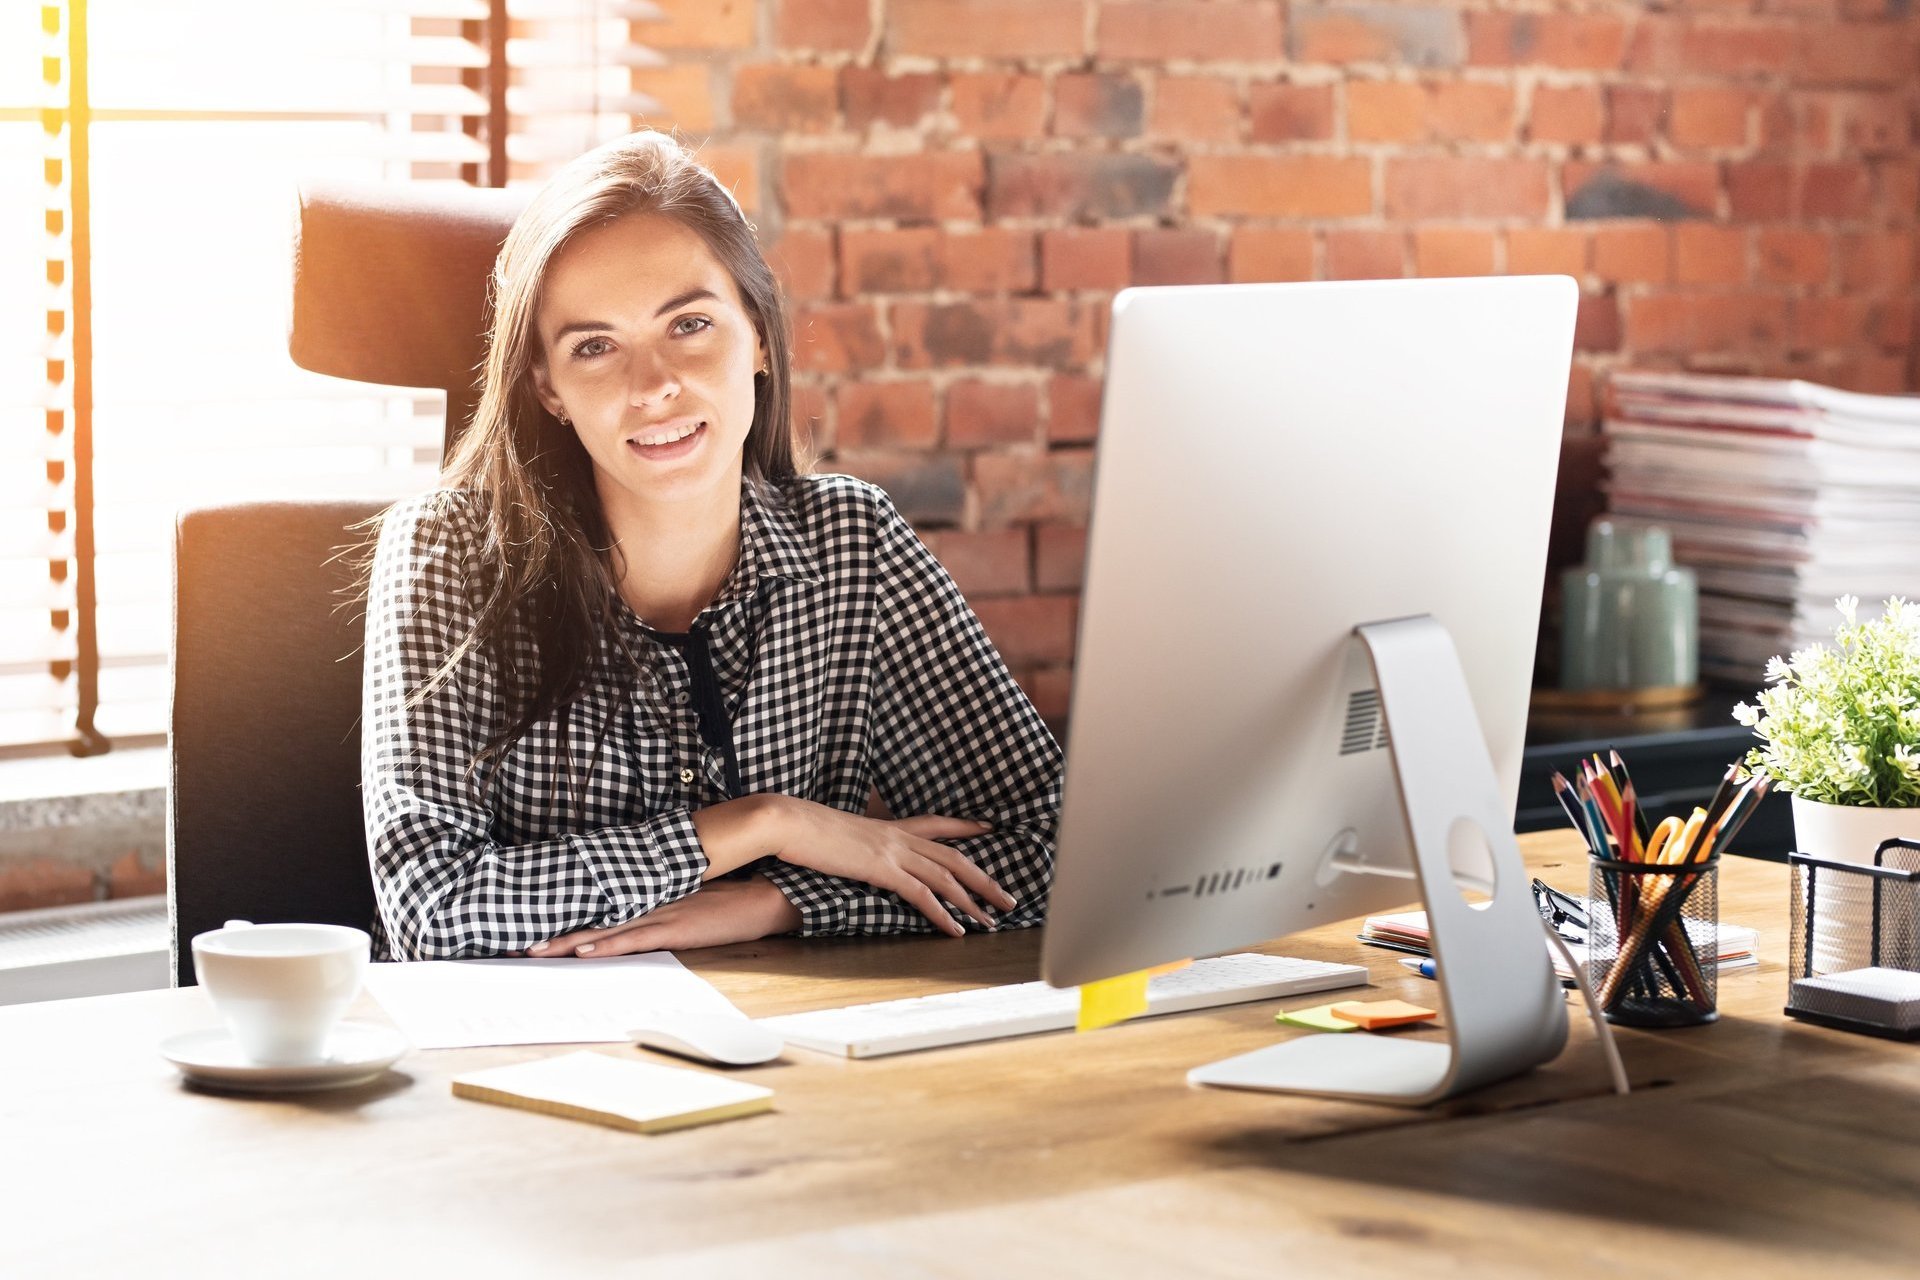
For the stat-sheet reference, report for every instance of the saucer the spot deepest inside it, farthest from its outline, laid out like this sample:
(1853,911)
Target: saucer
(357,1052)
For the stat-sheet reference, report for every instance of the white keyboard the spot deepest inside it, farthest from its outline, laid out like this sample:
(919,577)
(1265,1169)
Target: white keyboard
(995,1013)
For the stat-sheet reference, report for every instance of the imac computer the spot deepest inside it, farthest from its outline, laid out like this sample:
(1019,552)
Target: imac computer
(1314,574)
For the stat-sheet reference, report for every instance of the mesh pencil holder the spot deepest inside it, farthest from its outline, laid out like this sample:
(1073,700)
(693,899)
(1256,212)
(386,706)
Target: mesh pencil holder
(1653,947)
(1849,916)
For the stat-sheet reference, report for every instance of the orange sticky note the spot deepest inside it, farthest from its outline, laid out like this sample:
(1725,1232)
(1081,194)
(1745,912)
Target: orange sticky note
(1375,1014)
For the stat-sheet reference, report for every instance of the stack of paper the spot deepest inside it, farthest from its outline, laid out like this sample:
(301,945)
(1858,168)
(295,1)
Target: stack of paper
(1408,931)
(1781,495)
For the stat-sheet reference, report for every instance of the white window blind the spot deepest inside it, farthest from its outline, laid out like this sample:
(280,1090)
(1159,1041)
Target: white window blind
(205,116)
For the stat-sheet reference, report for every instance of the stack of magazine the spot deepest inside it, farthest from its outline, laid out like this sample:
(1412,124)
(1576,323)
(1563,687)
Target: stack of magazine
(1781,495)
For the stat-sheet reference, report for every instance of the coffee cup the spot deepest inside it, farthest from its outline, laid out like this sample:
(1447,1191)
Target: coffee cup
(281,988)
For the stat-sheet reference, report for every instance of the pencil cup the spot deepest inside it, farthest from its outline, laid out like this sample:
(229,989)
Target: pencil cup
(1654,944)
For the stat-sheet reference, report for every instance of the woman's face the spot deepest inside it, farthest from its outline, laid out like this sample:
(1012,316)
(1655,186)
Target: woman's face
(649,352)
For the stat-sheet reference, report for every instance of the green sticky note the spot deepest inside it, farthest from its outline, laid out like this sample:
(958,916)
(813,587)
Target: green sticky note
(1319,1018)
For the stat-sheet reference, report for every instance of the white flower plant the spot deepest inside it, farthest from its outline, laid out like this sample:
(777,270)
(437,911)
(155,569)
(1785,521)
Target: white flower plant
(1841,725)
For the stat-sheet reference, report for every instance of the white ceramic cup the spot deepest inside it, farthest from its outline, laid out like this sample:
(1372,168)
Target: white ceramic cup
(282,987)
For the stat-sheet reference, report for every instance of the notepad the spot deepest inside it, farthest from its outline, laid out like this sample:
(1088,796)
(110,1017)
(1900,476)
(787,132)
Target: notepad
(1318,1018)
(1375,1015)
(642,1097)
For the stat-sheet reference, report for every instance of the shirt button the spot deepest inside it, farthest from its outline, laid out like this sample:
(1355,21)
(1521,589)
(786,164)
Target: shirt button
(681,698)
(686,775)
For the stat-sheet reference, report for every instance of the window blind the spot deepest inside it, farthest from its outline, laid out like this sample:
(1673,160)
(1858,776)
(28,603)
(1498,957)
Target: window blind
(205,114)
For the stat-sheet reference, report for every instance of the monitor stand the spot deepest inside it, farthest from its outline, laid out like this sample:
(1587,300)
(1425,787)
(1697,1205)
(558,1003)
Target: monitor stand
(1500,1003)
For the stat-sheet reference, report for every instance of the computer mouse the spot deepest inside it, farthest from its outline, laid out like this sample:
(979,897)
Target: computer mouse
(729,1042)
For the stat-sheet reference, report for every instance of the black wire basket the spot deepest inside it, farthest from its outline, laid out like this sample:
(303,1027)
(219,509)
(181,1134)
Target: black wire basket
(1855,942)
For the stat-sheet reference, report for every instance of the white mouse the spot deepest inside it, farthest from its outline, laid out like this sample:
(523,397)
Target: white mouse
(731,1042)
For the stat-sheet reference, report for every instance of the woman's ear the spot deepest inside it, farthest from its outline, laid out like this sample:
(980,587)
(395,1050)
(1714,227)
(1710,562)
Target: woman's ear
(543,387)
(760,354)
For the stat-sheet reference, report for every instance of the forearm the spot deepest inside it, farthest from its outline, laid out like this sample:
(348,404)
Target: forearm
(738,833)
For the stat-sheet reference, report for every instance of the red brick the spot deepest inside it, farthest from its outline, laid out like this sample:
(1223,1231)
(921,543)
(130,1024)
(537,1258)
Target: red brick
(880,261)
(1386,111)
(987,28)
(1572,114)
(703,24)
(1877,261)
(1898,183)
(1059,557)
(987,260)
(1073,408)
(1369,33)
(1706,254)
(1640,190)
(1874,375)
(869,96)
(1665,45)
(1050,689)
(43,882)
(1470,111)
(1632,254)
(1582,409)
(1822,323)
(1177,255)
(1577,41)
(807,416)
(1284,186)
(1547,251)
(1760,192)
(1803,122)
(1858,53)
(1270,254)
(929,488)
(132,878)
(1837,189)
(1002,107)
(826,25)
(1195,109)
(1596,325)
(1031,628)
(920,187)
(1793,256)
(896,414)
(992,563)
(1053,485)
(1366,255)
(1875,124)
(1709,117)
(684,91)
(837,338)
(1104,105)
(773,98)
(1452,251)
(1634,113)
(1450,187)
(992,413)
(1190,31)
(1079,185)
(804,260)
(1085,258)
(1052,332)
(1290,112)
(1687,323)
(737,167)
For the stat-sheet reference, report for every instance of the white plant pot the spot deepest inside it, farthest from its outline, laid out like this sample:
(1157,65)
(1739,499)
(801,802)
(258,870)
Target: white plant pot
(1843,907)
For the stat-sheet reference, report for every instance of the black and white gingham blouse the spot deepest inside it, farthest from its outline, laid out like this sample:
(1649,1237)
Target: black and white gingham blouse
(845,657)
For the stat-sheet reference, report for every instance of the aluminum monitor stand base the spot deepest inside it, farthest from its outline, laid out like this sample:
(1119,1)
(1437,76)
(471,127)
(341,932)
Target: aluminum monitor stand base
(1500,1002)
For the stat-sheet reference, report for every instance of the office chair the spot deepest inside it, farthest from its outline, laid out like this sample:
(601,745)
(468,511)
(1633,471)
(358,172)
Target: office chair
(263,814)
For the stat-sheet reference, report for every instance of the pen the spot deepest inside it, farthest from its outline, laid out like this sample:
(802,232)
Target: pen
(1422,967)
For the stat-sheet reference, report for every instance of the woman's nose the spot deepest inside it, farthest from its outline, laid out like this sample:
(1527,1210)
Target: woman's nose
(650,380)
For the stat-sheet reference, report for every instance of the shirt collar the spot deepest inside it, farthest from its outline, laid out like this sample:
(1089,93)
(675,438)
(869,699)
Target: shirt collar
(771,542)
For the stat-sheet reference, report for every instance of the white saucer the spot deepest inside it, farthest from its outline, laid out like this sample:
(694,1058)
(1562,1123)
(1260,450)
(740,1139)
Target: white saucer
(358,1052)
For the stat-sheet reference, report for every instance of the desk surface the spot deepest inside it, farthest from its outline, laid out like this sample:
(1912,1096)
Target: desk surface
(1753,1147)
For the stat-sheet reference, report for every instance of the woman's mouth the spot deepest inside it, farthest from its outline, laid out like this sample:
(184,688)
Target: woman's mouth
(661,444)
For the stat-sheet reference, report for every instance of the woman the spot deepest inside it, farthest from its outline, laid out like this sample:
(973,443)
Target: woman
(630,677)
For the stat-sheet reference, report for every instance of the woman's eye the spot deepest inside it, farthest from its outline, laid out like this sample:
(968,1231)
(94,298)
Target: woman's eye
(691,324)
(592,347)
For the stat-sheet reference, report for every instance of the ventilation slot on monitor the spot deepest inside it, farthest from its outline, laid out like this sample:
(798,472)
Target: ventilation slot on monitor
(1227,881)
(1366,728)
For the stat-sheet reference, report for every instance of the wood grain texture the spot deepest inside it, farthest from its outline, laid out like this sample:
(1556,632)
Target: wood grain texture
(1754,1146)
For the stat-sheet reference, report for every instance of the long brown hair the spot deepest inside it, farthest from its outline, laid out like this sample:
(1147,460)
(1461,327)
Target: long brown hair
(546,538)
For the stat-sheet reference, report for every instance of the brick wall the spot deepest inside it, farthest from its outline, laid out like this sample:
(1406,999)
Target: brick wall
(955,188)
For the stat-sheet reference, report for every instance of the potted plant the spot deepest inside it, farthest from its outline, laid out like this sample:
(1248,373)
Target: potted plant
(1840,730)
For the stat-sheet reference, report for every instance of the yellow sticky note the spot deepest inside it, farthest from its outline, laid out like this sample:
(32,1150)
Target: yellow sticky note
(1112,1000)
(1319,1018)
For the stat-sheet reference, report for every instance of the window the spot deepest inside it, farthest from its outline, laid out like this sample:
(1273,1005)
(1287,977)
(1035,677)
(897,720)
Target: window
(152,164)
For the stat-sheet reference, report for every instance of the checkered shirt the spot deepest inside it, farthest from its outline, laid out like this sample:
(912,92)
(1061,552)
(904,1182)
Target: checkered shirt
(846,658)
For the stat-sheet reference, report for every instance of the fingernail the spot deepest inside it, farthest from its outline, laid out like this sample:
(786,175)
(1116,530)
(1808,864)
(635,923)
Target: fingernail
(583,948)
(538,946)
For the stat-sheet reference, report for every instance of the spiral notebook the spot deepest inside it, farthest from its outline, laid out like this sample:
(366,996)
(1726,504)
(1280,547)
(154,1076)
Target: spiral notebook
(640,1097)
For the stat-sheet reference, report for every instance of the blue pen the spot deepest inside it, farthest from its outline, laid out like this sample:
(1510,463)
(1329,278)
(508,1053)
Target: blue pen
(1422,967)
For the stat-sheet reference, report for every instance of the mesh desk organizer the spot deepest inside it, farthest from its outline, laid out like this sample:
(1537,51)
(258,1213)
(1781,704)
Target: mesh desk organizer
(1854,962)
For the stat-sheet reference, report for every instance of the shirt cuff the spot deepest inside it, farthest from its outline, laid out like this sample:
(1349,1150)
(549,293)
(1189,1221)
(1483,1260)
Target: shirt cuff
(818,898)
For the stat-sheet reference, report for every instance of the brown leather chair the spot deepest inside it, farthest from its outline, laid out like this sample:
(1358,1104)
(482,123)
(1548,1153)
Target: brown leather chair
(263,816)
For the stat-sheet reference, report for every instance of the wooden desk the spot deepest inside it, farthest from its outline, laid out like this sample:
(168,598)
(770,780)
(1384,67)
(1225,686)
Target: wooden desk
(1754,1147)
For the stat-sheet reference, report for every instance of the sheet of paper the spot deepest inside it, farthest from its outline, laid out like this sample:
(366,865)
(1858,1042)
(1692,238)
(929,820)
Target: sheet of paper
(457,1004)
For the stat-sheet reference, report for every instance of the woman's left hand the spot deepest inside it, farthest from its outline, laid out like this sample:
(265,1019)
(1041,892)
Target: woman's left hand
(719,912)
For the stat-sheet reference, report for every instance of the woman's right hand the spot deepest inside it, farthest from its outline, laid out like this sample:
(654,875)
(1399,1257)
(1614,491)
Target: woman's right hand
(904,856)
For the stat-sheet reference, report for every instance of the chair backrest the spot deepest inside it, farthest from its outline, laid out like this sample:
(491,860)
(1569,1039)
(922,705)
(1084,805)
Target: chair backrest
(263,816)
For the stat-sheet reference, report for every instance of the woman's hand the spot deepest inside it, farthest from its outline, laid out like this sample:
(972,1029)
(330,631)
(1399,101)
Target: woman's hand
(719,912)
(901,855)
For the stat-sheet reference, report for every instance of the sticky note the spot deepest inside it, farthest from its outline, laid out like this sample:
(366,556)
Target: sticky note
(1375,1014)
(1172,966)
(1318,1018)
(1112,1000)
